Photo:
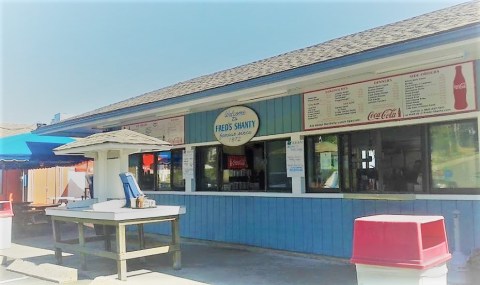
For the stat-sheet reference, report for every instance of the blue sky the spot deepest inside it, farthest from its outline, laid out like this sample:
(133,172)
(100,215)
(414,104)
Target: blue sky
(75,56)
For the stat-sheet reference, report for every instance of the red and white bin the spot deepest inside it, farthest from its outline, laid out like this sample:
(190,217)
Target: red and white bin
(400,250)
(6,214)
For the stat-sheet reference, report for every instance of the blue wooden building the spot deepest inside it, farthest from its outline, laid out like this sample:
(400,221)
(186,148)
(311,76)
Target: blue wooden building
(284,153)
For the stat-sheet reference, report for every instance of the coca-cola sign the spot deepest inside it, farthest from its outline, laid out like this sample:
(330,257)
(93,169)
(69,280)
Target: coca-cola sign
(421,94)
(459,89)
(237,162)
(387,114)
(460,86)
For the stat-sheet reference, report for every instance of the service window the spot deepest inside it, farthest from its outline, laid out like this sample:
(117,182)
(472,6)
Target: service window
(322,163)
(207,168)
(455,161)
(158,171)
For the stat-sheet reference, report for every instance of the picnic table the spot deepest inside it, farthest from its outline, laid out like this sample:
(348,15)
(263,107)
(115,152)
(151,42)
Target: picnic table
(118,218)
(31,213)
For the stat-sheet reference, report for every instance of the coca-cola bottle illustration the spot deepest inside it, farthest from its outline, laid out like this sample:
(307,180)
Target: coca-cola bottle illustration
(459,89)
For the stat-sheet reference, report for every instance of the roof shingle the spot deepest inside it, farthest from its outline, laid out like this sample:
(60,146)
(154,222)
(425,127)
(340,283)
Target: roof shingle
(123,137)
(451,18)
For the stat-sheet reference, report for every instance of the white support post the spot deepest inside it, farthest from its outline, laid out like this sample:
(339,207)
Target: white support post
(190,181)
(100,174)
(458,264)
(124,159)
(298,183)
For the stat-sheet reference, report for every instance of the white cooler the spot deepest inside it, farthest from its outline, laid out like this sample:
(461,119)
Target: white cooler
(6,215)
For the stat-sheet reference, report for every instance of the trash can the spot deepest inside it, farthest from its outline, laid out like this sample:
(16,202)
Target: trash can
(400,250)
(6,215)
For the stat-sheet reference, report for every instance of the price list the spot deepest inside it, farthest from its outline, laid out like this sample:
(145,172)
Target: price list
(425,94)
(414,95)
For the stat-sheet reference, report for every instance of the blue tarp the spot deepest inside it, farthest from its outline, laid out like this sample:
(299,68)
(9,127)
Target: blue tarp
(32,151)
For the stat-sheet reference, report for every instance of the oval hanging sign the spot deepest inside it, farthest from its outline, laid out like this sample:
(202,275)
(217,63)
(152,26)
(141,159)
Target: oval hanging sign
(236,126)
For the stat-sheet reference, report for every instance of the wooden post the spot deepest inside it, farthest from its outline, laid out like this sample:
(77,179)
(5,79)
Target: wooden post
(141,239)
(107,237)
(81,242)
(177,256)
(121,250)
(58,238)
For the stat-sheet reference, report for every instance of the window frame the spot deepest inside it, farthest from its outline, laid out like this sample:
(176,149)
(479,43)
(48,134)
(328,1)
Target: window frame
(221,167)
(448,190)
(155,171)
(345,144)
(340,151)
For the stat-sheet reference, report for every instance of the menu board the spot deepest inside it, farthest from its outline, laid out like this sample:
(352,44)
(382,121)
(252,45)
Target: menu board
(295,158)
(171,130)
(439,91)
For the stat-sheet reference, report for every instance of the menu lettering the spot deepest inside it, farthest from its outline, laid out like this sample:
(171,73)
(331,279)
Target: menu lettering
(433,92)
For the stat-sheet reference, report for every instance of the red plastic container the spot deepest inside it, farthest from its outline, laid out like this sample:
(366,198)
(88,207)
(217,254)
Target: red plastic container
(6,209)
(405,241)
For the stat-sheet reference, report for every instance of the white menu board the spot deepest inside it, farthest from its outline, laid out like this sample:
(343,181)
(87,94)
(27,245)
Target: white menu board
(188,163)
(171,130)
(295,159)
(438,91)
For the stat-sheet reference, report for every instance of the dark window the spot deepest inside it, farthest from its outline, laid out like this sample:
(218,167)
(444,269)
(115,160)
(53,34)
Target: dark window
(255,166)
(146,179)
(207,168)
(382,160)
(387,160)
(430,158)
(158,171)
(277,180)
(178,183)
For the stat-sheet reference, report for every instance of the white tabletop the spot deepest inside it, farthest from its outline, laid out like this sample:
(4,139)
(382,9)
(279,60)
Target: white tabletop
(116,214)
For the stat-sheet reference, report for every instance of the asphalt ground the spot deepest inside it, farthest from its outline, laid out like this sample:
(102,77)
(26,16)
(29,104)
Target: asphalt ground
(203,263)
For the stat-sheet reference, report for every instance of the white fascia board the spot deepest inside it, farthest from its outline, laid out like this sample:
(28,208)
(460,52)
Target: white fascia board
(111,146)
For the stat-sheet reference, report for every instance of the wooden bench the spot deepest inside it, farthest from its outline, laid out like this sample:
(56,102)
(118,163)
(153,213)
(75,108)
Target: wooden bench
(33,216)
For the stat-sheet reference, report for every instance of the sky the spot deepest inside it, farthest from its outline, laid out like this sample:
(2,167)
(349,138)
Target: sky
(75,56)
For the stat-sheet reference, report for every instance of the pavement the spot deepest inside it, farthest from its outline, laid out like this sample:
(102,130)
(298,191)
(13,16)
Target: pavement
(203,263)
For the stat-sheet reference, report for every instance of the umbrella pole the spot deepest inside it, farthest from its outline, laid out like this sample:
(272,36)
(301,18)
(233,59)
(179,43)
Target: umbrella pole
(46,185)
(56,169)
(23,185)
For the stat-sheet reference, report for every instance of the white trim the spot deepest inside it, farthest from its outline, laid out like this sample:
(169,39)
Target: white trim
(255,139)
(111,146)
(463,197)
(378,196)
(249,194)
(353,196)
(422,63)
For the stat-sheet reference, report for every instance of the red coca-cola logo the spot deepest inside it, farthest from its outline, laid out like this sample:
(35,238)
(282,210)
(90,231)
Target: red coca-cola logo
(385,114)
(237,162)
(462,85)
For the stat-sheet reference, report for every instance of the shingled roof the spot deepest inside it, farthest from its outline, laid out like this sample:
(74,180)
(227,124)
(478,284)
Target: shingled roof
(448,19)
(120,137)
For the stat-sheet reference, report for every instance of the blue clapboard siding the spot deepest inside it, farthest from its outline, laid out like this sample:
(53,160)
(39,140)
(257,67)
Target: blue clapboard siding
(477,72)
(308,225)
(277,116)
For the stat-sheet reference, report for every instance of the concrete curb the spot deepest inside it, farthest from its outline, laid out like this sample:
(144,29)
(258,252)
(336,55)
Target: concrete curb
(3,259)
(45,271)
